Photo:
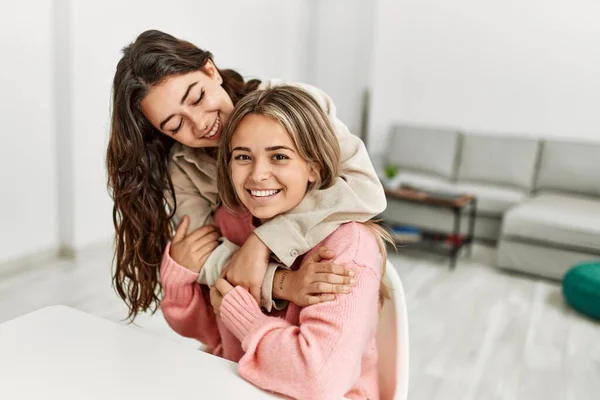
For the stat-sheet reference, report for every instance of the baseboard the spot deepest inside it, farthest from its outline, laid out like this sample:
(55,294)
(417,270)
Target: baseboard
(28,261)
(54,253)
(93,249)
(67,252)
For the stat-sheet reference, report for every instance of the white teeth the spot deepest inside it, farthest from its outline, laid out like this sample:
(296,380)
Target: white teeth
(263,193)
(215,128)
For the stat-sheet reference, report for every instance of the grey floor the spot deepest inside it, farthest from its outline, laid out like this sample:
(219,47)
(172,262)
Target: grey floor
(476,332)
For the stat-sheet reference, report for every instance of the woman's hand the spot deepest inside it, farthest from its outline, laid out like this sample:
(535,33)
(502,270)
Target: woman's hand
(248,266)
(192,250)
(314,282)
(217,292)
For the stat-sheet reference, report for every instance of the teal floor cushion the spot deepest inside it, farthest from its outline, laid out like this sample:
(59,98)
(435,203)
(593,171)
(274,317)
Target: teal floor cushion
(581,288)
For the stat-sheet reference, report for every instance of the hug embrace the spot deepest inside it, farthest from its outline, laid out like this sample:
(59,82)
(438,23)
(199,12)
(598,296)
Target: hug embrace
(242,210)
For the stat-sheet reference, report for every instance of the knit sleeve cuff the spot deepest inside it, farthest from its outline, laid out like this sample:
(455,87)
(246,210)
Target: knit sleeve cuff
(177,281)
(240,313)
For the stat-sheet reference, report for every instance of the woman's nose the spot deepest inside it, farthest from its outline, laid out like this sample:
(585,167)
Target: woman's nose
(261,171)
(199,124)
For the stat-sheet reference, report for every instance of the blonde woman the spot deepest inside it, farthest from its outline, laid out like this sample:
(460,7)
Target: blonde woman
(278,148)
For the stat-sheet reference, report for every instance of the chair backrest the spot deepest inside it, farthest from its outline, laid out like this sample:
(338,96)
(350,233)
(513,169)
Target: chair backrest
(392,341)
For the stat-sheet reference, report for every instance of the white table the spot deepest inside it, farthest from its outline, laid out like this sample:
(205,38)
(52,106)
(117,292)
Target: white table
(61,353)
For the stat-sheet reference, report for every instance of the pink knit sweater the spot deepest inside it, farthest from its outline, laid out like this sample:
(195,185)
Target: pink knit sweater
(324,351)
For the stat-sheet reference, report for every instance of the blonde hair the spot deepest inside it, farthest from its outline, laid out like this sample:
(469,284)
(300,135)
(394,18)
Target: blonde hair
(306,124)
(313,136)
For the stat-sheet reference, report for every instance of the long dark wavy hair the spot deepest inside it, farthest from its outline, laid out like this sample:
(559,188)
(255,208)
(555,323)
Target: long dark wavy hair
(137,162)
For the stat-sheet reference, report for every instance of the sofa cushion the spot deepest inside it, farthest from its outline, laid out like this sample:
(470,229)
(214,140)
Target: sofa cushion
(430,150)
(492,199)
(569,167)
(562,219)
(498,160)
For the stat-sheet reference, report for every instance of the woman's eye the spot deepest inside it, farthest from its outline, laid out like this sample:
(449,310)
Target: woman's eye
(242,157)
(174,131)
(280,157)
(199,98)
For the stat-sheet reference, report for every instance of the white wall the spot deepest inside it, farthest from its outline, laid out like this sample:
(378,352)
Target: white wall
(28,194)
(343,49)
(518,66)
(527,66)
(264,38)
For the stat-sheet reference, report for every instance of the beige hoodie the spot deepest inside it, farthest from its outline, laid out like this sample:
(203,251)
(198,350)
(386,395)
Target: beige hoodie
(356,196)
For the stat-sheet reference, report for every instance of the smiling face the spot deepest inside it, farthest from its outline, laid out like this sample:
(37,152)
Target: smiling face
(191,108)
(268,174)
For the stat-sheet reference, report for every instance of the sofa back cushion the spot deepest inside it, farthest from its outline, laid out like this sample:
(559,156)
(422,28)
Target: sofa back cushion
(498,160)
(569,167)
(425,149)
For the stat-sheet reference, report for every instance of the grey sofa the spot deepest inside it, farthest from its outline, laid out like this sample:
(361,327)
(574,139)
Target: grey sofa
(559,225)
(539,199)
